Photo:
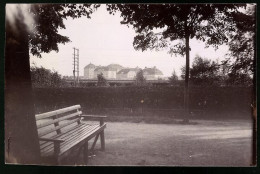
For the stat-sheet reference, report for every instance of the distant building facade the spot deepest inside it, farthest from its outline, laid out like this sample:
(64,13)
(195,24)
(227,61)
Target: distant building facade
(127,73)
(89,71)
(152,73)
(115,71)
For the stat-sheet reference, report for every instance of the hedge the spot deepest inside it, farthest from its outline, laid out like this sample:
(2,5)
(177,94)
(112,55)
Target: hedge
(210,99)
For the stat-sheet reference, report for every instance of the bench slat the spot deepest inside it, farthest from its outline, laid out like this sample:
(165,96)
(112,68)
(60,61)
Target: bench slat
(67,136)
(71,140)
(68,131)
(76,137)
(85,137)
(56,112)
(50,130)
(40,125)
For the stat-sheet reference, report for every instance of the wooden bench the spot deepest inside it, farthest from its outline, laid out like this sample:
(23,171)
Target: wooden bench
(61,131)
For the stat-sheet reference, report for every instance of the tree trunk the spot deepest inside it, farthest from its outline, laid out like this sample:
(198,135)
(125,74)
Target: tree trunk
(187,74)
(254,109)
(21,138)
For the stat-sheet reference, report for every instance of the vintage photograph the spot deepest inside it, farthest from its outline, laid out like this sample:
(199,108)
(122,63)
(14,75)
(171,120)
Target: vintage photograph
(130,84)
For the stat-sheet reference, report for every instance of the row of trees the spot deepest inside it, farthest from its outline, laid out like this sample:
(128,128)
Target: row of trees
(45,78)
(205,72)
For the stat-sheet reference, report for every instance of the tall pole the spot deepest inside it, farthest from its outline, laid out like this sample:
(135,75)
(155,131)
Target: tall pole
(76,66)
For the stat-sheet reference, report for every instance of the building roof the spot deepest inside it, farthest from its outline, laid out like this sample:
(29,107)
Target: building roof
(90,66)
(123,71)
(100,68)
(115,66)
(126,70)
(110,69)
(104,68)
(152,71)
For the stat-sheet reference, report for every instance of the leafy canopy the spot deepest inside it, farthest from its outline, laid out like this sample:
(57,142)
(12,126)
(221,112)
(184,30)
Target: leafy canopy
(242,58)
(210,23)
(48,18)
(204,72)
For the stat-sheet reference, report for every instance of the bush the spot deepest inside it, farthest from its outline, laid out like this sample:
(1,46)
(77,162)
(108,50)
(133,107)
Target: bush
(42,78)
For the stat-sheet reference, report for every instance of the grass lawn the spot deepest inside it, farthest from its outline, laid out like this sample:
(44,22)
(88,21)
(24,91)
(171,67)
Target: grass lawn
(206,143)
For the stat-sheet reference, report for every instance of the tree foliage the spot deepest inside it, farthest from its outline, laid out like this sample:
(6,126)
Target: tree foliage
(206,22)
(242,45)
(42,77)
(239,79)
(140,79)
(174,78)
(204,72)
(48,20)
(101,80)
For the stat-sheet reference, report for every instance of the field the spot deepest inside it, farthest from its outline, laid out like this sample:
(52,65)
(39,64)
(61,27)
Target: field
(206,143)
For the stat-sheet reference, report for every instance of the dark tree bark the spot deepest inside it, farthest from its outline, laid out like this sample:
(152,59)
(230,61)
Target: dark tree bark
(254,113)
(187,75)
(21,138)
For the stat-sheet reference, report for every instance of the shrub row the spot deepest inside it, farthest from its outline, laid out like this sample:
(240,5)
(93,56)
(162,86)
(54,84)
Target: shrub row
(93,99)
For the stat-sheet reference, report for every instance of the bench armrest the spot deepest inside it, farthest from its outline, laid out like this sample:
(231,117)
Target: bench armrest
(100,117)
(52,140)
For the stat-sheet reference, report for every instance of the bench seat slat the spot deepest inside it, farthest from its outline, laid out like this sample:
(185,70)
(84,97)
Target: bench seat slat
(68,139)
(71,141)
(67,132)
(67,136)
(56,112)
(40,125)
(86,137)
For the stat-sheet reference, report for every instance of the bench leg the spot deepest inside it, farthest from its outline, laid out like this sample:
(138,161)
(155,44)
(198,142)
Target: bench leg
(102,139)
(86,152)
(94,143)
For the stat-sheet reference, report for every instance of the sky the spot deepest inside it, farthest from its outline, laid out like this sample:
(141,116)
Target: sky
(102,40)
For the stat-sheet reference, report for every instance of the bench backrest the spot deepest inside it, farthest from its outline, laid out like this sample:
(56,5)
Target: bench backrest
(58,121)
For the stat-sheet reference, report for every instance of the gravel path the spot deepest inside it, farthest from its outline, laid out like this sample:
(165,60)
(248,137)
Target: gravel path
(207,143)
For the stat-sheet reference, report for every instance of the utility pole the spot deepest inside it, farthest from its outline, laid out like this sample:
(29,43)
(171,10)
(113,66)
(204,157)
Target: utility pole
(76,66)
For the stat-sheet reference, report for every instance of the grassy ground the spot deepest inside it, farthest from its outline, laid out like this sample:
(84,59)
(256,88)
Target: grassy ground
(204,143)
